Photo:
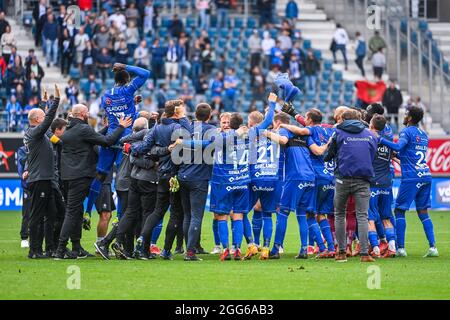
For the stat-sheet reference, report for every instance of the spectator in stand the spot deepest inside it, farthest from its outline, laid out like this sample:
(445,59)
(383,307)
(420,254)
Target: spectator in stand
(285,46)
(39,11)
(158,56)
(103,63)
(254,45)
(15,76)
(311,69)
(271,76)
(291,11)
(265,11)
(29,57)
(66,48)
(376,42)
(32,86)
(122,53)
(148,18)
(72,92)
(35,69)
(187,95)
(20,94)
(12,57)
(277,55)
(132,14)
(149,105)
(175,26)
(295,70)
(80,42)
(132,36)
(119,19)
(183,52)
(50,34)
(92,88)
(222,12)
(161,96)
(62,18)
(7,41)
(230,84)
(142,55)
(102,39)
(172,59)
(221,64)
(340,37)
(14,110)
(195,57)
(217,108)
(392,100)
(267,44)
(88,62)
(378,64)
(2,71)
(3,23)
(200,86)
(257,83)
(360,52)
(208,58)
(203,8)
(217,85)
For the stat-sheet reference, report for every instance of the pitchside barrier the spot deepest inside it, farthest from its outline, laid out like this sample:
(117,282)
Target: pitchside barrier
(438,159)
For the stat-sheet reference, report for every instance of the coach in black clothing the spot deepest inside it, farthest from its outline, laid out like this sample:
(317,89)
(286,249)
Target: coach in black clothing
(40,173)
(78,162)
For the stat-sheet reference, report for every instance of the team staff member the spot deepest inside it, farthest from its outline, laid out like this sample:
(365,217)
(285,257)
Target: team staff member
(40,173)
(78,162)
(21,162)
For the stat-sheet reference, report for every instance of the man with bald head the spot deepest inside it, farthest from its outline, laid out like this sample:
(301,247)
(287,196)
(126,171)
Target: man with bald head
(40,173)
(78,162)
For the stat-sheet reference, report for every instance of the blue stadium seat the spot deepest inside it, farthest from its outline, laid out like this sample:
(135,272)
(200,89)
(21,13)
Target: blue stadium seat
(162,32)
(109,83)
(335,97)
(326,76)
(172,94)
(146,94)
(310,96)
(165,22)
(324,86)
(308,105)
(322,106)
(423,25)
(338,76)
(323,96)
(74,73)
(236,33)
(191,22)
(231,54)
(130,60)
(248,33)
(244,54)
(273,33)
(328,65)
(348,96)
(297,105)
(83,83)
(318,54)
(242,64)
(238,22)
(212,32)
(246,103)
(222,43)
(306,44)
(349,85)
(336,86)
(251,23)
(334,103)
(234,43)
(224,32)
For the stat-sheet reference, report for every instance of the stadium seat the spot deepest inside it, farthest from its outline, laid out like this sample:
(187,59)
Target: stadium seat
(162,32)
(326,76)
(74,73)
(423,25)
(308,105)
(328,65)
(318,54)
(335,97)
(323,96)
(338,76)
(171,95)
(246,104)
(238,22)
(336,86)
(221,43)
(306,44)
(322,106)
(273,33)
(236,33)
(234,43)
(109,83)
(224,33)
(349,86)
(251,23)
(324,86)
(248,33)
(310,96)
(212,32)
(165,22)
(334,103)
(348,96)
(244,54)
(191,22)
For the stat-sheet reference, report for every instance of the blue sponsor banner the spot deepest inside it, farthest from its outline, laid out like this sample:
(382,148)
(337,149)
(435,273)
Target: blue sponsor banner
(11,195)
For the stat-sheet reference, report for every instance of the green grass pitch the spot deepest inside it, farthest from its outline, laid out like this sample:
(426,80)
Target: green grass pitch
(401,278)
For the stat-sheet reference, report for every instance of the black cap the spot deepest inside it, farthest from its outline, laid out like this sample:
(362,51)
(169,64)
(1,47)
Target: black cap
(375,108)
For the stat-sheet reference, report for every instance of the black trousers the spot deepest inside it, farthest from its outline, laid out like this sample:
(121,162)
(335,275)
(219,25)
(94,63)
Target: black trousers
(164,198)
(141,202)
(25,214)
(360,63)
(40,213)
(59,207)
(75,192)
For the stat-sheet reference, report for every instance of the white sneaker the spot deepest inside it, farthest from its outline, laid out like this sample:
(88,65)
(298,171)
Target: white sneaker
(432,252)
(280,250)
(24,244)
(401,252)
(216,250)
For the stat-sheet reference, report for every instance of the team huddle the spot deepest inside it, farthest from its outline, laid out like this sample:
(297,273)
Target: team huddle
(336,178)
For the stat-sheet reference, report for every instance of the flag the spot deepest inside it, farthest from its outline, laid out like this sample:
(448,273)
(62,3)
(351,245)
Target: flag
(370,92)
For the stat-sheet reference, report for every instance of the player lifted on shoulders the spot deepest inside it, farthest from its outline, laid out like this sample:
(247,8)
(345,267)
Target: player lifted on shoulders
(416,179)
(118,102)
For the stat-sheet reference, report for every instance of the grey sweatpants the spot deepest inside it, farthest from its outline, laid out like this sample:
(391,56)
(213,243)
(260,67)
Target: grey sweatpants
(360,189)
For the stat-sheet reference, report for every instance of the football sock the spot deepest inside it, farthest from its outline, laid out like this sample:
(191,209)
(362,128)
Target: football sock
(94,191)
(400,223)
(326,231)
(303,227)
(314,229)
(280,231)
(119,208)
(267,228)
(380,228)
(373,239)
(156,232)
(310,237)
(247,229)
(215,227)
(238,232)
(222,225)
(390,237)
(428,228)
(257,224)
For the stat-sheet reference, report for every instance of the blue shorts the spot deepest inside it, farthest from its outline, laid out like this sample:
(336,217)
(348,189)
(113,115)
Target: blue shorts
(224,198)
(380,205)
(324,196)
(268,193)
(106,158)
(410,191)
(297,195)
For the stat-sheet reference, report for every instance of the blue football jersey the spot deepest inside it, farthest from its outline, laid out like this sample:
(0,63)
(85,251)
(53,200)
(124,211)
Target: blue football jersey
(231,158)
(118,101)
(264,157)
(297,161)
(320,136)
(413,156)
(382,168)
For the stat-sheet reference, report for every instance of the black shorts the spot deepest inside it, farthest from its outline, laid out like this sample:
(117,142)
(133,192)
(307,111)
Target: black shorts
(105,201)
